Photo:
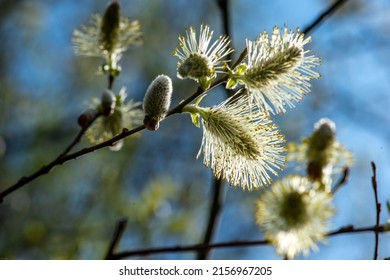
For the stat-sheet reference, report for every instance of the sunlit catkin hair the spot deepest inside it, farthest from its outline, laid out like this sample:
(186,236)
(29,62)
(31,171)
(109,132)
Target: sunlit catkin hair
(240,144)
(199,59)
(157,101)
(277,70)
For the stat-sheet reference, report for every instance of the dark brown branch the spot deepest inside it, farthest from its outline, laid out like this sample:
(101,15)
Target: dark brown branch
(323,16)
(189,248)
(111,80)
(119,229)
(233,244)
(378,208)
(58,160)
(215,211)
(125,133)
(342,181)
(78,137)
(48,167)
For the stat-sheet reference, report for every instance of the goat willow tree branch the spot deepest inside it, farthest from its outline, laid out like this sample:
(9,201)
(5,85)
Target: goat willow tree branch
(232,244)
(125,133)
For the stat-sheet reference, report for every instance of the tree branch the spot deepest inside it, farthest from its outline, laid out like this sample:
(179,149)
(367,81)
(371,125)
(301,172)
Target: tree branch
(48,167)
(378,208)
(119,229)
(215,210)
(233,244)
(342,181)
(323,16)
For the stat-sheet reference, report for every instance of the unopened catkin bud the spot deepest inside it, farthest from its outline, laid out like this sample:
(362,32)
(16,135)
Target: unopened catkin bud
(157,101)
(108,101)
(320,147)
(110,26)
(324,135)
(86,118)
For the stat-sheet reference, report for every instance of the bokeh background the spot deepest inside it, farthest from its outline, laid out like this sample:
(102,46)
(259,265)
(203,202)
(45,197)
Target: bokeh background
(155,181)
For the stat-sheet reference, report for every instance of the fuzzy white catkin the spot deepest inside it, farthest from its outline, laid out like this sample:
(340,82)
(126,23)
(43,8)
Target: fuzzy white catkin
(157,101)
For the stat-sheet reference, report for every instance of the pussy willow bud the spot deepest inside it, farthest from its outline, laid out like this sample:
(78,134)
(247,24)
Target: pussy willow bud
(320,147)
(324,134)
(156,101)
(109,27)
(85,118)
(108,100)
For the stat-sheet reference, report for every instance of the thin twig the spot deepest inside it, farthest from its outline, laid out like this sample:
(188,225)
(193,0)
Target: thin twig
(119,229)
(78,137)
(215,211)
(233,244)
(48,167)
(321,18)
(378,208)
(111,80)
(342,181)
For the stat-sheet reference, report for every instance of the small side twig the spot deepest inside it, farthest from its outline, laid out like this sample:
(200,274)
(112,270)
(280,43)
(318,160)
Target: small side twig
(77,138)
(342,181)
(378,208)
(321,18)
(119,229)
